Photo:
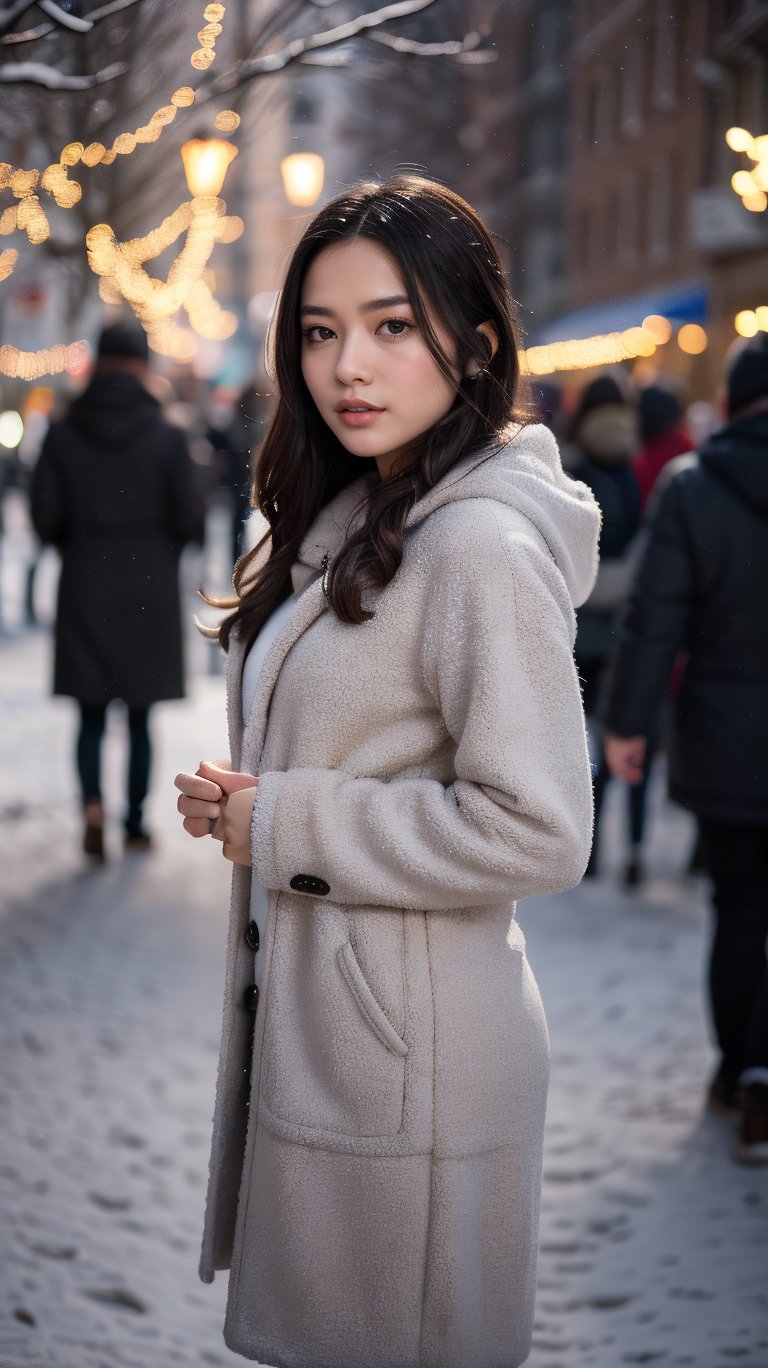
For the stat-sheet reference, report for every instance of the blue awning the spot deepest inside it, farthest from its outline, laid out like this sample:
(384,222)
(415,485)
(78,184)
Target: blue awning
(686,301)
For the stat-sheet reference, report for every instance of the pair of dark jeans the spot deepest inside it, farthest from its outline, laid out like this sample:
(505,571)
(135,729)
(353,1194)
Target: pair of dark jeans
(92,722)
(737,862)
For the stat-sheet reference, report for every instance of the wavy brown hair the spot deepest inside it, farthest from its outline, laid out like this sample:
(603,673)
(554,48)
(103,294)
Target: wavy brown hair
(454,279)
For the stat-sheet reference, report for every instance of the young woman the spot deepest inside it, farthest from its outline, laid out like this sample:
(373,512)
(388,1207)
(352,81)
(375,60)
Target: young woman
(409,757)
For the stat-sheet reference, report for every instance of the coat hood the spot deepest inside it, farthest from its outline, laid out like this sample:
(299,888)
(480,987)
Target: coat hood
(609,435)
(112,412)
(738,455)
(522,470)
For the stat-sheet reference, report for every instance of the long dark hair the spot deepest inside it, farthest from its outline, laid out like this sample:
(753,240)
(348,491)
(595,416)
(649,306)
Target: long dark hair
(451,270)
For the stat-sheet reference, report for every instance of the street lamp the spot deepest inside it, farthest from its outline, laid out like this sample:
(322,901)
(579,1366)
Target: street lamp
(303,174)
(206,162)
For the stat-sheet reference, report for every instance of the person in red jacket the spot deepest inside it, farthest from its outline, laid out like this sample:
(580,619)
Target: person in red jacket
(664,436)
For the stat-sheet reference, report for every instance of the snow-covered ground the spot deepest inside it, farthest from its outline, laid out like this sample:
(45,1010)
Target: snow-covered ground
(654,1243)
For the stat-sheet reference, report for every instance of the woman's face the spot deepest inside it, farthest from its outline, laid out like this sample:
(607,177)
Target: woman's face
(364,359)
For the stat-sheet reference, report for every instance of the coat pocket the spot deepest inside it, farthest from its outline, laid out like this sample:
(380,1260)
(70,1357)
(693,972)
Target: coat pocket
(372,1012)
(333,1058)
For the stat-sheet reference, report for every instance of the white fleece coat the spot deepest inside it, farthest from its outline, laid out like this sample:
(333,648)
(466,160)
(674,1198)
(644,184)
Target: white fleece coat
(425,769)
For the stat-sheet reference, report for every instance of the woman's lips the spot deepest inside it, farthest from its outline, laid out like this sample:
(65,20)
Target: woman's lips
(359,417)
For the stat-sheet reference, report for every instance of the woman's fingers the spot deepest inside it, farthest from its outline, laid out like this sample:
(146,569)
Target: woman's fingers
(230,781)
(197,826)
(193,786)
(197,807)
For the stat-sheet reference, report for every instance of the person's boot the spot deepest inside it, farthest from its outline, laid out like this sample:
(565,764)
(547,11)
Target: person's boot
(752,1146)
(93,829)
(723,1093)
(634,873)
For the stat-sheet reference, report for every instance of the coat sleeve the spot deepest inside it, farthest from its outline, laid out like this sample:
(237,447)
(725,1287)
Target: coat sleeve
(656,624)
(497,660)
(48,498)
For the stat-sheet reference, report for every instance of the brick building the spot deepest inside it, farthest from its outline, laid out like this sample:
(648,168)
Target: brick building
(652,225)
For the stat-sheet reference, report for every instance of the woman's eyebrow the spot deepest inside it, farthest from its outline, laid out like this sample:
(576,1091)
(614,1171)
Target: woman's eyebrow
(371,307)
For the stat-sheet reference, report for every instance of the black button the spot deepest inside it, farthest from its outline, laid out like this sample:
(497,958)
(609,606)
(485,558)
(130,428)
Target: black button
(309,883)
(252,935)
(251,997)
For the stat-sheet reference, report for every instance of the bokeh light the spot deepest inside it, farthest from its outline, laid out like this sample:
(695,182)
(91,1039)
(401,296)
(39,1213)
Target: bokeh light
(692,339)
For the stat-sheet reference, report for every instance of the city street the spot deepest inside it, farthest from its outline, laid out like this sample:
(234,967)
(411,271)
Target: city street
(654,1243)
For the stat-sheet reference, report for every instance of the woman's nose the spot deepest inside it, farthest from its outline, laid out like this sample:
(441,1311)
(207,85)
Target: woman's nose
(353,364)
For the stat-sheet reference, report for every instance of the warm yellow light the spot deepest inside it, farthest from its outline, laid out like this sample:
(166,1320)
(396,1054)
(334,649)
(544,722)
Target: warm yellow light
(71,154)
(8,260)
(638,342)
(21,365)
(11,429)
(746,323)
(739,140)
(658,327)
(742,183)
(227,121)
(303,174)
(206,162)
(93,154)
(692,339)
(756,202)
(761,314)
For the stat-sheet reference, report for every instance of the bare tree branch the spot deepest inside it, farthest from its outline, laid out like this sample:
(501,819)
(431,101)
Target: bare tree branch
(447,49)
(60,16)
(10,13)
(293,51)
(38,73)
(44,30)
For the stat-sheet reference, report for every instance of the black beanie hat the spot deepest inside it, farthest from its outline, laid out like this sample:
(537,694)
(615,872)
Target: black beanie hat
(747,378)
(659,411)
(123,340)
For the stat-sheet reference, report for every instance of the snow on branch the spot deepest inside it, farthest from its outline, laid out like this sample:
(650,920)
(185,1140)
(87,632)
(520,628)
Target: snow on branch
(61,16)
(295,50)
(43,30)
(38,73)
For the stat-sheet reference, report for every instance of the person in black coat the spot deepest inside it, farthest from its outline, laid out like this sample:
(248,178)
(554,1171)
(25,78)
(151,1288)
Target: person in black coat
(702,587)
(115,491)
(605,436)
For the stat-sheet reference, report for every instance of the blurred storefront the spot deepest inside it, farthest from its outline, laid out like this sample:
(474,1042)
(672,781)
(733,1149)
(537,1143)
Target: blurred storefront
(661,255)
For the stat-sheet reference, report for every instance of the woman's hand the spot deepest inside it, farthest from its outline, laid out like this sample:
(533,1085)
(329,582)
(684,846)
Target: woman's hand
(233,827)
(203,793)
(625,756)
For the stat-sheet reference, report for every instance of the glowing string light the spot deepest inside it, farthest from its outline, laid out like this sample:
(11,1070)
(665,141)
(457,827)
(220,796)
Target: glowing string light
(8,260)
(21,365)
(124,277)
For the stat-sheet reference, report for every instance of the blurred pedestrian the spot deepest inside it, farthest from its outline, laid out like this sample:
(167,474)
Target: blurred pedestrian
(244,437)
(409,754)
(114,490)
(703,587)
(604,438)
(664,435)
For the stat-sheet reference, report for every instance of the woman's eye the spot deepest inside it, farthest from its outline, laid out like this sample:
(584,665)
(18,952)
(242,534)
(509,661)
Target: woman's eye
(395,327)
(318,333)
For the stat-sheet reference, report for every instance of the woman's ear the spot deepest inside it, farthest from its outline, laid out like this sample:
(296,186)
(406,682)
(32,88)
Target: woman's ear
(490,345)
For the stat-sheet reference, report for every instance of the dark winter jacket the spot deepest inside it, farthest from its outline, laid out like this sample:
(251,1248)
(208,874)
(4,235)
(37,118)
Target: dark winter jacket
(115,491)
(702,587)
(607,438)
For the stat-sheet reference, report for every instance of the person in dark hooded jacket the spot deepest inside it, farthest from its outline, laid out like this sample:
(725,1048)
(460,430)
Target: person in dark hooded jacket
(115,491)
(702,587)
(604,437)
